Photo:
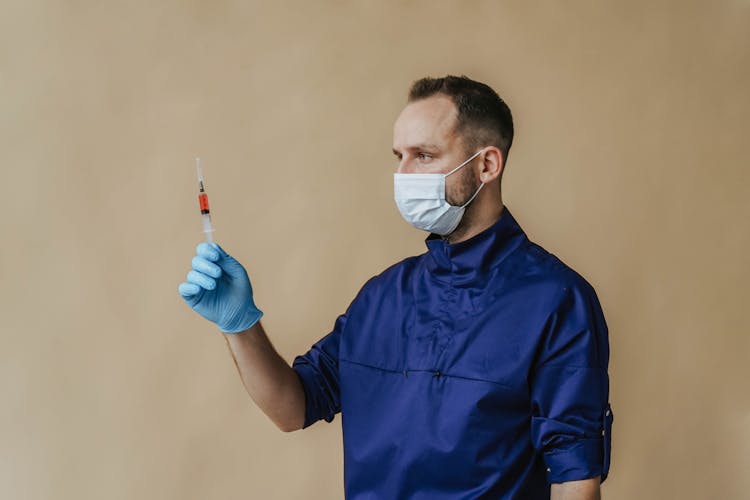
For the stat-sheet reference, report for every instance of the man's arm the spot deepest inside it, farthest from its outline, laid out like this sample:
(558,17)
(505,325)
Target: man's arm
(585,489)
(268,378)
(219,289)
(571,416)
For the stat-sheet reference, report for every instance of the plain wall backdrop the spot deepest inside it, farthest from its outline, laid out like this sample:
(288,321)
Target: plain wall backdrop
(629,164)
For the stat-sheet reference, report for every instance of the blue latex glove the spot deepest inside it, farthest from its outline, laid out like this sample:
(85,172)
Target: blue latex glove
(219,289)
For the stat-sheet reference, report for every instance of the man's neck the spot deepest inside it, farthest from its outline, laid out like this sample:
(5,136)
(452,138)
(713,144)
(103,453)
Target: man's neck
(474,225)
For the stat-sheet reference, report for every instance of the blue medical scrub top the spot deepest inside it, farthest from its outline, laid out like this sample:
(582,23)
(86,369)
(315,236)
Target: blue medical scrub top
(474,370)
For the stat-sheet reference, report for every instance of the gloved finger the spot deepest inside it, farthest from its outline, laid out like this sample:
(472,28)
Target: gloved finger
(200,279)
(221,251)
(206,267)
(207,252)
(188,289)
(229,264)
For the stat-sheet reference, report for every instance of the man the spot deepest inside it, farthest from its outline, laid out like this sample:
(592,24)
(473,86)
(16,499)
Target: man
(475,370)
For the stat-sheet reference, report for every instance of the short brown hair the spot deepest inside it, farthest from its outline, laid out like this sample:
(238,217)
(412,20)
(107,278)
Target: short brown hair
(483,117)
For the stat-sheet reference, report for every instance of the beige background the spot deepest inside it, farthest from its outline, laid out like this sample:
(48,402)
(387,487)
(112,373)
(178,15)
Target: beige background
(629,164)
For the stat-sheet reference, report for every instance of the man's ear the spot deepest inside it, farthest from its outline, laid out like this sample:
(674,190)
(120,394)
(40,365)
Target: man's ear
(492,164)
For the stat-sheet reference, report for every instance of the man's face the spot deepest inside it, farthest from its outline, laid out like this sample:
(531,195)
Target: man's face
(425,142)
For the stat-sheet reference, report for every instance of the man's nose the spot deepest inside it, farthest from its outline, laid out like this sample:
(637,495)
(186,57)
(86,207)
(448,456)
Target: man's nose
(403,166)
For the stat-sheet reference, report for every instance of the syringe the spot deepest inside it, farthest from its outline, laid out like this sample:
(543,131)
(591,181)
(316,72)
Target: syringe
(203,201)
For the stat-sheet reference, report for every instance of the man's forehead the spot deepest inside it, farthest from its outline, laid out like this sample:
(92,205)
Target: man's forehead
(429,120)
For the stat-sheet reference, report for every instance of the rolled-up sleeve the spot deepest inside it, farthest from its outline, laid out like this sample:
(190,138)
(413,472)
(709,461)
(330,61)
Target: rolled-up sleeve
(571,415)
(318,370)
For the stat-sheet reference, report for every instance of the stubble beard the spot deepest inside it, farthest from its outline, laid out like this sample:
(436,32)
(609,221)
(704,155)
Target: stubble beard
(462,193)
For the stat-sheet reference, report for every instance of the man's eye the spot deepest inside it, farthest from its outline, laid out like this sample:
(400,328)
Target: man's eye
(423,156)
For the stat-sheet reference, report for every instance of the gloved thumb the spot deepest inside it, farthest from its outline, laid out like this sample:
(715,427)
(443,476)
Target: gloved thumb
(229,264)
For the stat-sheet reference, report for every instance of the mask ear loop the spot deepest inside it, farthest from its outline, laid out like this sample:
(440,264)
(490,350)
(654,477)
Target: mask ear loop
(473,196)
(464,163)
(461,165)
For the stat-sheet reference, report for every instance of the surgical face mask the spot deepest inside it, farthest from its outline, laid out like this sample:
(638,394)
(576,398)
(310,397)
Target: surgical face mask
(421,200)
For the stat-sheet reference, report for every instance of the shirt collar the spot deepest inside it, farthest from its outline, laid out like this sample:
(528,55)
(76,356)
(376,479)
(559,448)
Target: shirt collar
(472,259)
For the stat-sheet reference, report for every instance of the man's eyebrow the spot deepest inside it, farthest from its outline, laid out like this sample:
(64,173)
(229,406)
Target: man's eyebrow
(425,145)
(419,147)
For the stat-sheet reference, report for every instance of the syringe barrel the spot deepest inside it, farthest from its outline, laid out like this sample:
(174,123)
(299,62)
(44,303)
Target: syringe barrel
(207,227)
(203,202)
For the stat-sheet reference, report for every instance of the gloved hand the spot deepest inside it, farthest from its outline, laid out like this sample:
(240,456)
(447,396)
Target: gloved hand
(219,289)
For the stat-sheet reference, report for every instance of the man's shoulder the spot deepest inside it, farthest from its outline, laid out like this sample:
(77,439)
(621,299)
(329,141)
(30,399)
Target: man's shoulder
(392,276)
(396,272)
(537,265)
